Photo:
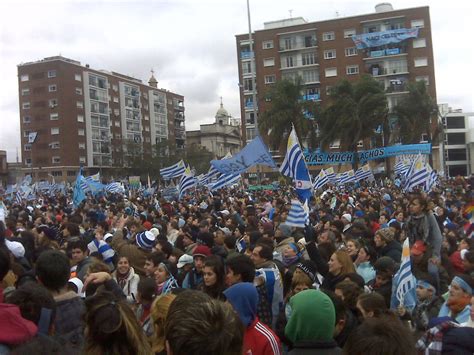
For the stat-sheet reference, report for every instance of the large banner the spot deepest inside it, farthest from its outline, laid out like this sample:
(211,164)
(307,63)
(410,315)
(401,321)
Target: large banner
(377,39)
(321,158)
(254,153)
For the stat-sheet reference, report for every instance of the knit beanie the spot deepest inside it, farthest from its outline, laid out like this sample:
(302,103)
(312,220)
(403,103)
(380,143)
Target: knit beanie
(386,234)
(312,317)
(309,268)
(146,240)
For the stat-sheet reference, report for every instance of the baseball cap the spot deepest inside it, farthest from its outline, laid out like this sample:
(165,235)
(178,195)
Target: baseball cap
(418,248)
(185,259)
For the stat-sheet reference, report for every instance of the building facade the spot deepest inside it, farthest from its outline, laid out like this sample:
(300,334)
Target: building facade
(220,137)
(324,52)
(72,116)
(458,141)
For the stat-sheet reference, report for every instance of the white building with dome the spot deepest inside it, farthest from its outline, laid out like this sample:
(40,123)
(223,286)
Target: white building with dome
(220,137)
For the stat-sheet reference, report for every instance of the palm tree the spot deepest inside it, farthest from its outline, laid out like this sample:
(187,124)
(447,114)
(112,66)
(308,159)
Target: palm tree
(353,113)
(415,113)
(288,107)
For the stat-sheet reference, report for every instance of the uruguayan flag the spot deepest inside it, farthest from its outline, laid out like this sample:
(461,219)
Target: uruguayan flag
(364,172)
(404,283)
(331,175)
(433,178)
(223,181)
(294,167)
(114,187)
(298,215)
(419,175)
(347,177)
(173,170)
(188,181)
(321,180)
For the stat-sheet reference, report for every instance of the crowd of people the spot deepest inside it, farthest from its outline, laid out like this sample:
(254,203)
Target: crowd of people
(225,273)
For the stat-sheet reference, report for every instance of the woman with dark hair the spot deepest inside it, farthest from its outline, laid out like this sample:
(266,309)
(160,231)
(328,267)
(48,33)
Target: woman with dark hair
(126,278)
(112,328)
(165,278)
(365,262)
(214,277)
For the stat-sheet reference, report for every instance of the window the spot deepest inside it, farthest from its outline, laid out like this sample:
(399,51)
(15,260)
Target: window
(78,91)
(26,134)
(78,77)
(455,122)
(79,104)
(329,36)
(308,58)
(80,118)
(419,43)
(248,85)
(309,41)
(25,92)
(330,54)
(27,147)
(456,138)
(82,160)
(457,154)
(114,87)
(116,112)
(54,145)
(82,145)
(247,67)
(57,173)
(418,23)
(54,130)
(116,99)
(267,44)
(352,69)
(24,77)
(52,88)
(335,144)
(53,103)
(328,90)
(269,62)
(28,161)
(269,79)
(25,105)
(288,62)
(117,123)
(424,78)
(330,72)
(147,129)
(146,118)
(349,33)
(310,76)
(421,62)
(51,73)
(54,116)
(27,119)
(80,131)
(351,51)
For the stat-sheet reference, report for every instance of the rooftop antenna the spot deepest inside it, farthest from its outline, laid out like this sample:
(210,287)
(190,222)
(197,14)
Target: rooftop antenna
(291,13)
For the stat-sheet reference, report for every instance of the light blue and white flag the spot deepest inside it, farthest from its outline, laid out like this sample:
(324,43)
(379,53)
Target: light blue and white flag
(432,179)
(255,152)
(187,182)
(223,181)
(404,283)
(321,180)
(347,177)
(364,172)
(419,175)
(331,174)
(298,215)
(294,166)
(78,193)
(173,170)
(114,187)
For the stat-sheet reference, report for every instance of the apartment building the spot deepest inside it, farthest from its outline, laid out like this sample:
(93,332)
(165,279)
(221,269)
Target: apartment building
(72,115)
(324,52)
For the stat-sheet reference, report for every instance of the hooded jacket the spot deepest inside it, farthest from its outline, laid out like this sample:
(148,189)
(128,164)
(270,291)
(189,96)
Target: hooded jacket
(14,329)
(311,324)
(258,337)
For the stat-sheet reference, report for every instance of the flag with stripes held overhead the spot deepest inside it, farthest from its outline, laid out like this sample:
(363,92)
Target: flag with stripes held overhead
(404,283)
(401,167)
(364,172)
(419,175)
(331,174)
(173,170)
(294,166)
(114,187)
(187,182)
(223,181)
(347,177)
(321,180)
(432,179)
(78,193)
(298,216)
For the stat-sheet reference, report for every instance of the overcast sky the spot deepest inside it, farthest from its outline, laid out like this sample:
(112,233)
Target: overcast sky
(191,45)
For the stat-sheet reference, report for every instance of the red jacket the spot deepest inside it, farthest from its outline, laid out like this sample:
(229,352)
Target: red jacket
(14,329)
(260,339)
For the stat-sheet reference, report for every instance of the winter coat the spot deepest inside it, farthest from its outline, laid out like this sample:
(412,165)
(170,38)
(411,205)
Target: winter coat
(393,250)
(131,285)
(136,256)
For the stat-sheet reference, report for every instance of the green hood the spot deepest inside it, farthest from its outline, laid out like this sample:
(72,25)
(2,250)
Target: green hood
(312,317)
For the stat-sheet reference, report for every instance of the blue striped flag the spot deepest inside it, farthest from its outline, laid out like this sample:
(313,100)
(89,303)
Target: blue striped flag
(404,283)
(298,215)
(224,180)
(364,172)
(104,249)
(347,177)
(419,174)
(114,187)
(432,179)
(78,193)
(173,170)
(294,166)
(331,174)
(187,182)
(321,180)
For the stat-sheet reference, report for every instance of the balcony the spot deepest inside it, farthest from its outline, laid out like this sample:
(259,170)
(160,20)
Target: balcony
(311,97)
(246,55)
(383,53)
(381,71)
(396,88)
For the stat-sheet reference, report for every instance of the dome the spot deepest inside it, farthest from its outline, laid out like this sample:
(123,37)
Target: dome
(222,116)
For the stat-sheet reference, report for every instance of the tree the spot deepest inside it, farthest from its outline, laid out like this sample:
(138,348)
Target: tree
(288,107)
(415,113)
(353,113)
